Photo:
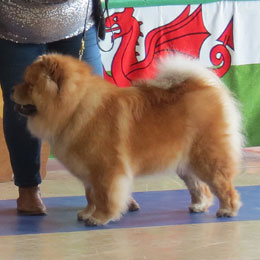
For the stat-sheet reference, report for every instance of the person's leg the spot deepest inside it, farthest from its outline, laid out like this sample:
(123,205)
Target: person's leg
(72,46)
(24,150)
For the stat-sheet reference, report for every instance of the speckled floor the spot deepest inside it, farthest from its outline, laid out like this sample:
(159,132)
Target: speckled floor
(233,240)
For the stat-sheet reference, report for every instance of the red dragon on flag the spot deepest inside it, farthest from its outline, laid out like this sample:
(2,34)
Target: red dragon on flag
(184,34)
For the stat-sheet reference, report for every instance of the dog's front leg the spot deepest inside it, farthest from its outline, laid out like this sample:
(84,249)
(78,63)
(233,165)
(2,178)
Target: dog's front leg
(88,211)
(111,198)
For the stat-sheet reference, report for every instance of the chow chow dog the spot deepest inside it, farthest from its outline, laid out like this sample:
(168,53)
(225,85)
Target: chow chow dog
(184,119)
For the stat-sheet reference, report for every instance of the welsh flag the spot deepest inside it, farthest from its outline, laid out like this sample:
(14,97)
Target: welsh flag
(224,35)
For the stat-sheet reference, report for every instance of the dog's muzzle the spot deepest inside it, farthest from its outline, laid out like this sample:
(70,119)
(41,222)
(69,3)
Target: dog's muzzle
(26,110)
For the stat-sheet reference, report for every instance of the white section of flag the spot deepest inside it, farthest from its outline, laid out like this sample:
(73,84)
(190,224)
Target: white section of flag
(216,16)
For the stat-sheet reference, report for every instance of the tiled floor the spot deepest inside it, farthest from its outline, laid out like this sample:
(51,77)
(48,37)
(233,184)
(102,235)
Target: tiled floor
(233,240)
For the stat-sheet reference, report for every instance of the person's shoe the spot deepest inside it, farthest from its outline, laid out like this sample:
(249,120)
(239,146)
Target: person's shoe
(30,202)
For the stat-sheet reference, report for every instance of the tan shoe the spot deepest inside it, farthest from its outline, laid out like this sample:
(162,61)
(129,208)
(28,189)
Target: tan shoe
(30,202)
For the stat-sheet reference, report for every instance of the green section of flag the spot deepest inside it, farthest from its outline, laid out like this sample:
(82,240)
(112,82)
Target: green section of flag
(244,81)
(143,3)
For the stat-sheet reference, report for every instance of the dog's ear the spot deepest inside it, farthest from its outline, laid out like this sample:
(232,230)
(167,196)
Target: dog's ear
(51,65)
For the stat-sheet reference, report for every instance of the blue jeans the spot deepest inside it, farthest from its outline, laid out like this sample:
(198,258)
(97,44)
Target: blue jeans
(24,149)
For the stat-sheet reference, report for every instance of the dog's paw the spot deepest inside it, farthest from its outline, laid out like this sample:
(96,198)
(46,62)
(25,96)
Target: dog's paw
(197,208)
(91,221)
(133,205)
(226,213)
(84,214)
(100,219)
(202,206)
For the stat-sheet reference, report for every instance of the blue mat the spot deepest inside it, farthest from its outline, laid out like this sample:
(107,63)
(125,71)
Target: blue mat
(158,208)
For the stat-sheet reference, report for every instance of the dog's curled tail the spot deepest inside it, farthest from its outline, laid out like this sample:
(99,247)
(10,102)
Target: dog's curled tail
(175,69)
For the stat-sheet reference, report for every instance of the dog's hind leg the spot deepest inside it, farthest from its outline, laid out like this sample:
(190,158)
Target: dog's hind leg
(216,165)
(201,196)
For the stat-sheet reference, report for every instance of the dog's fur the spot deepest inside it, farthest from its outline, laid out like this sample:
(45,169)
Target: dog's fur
(185,119)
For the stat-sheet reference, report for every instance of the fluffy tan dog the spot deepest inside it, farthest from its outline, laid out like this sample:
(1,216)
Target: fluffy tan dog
(185,119)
